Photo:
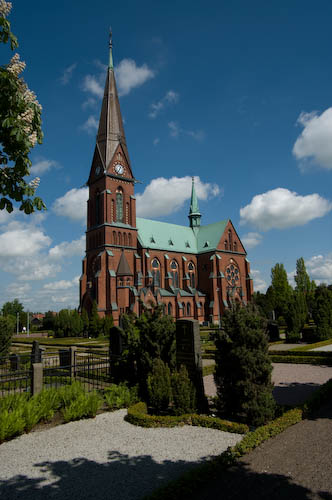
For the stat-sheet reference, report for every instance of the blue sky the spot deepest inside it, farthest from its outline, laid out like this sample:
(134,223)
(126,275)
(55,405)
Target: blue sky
(237,94)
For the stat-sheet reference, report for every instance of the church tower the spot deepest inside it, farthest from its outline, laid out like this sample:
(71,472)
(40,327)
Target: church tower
(111,236)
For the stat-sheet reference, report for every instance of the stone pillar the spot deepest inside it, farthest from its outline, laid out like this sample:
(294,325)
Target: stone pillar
(36,353)
(72,354)
(189,354)
(37,378)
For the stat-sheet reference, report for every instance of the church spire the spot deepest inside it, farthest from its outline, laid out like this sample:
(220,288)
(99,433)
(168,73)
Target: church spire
(194,213)
(110,132)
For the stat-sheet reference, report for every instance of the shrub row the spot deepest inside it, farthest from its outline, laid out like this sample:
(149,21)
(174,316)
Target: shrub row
(311,360)
(189,483)
(295,352)
(138,415)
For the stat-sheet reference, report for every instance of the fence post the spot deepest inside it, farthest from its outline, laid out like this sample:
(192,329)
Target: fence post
(37,378)
(72,354)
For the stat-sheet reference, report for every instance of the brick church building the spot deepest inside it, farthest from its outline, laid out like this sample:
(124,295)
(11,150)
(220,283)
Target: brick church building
(195,270)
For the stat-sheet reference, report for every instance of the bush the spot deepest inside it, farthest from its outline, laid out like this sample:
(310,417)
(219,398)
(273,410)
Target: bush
(118,396)
(243,368)
(83,406)
(183,392)
(6,334)
(12,423)
(159,386)
(69,393)
(48,401)
(293,337)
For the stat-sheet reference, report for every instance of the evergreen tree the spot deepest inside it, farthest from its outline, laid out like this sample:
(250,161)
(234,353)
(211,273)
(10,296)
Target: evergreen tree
(281,290)
(183,392)
(7,325)
(12,308)
(107,324)
(159,386)
(85,320)
(94,321)
(243,368)
(322,312)
(296,316)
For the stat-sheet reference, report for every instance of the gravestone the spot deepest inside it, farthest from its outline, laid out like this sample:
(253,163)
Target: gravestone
(36,353)
(14,362)
(189,354)
(115,353)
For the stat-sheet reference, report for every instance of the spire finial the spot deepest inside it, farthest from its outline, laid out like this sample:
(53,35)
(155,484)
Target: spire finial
(194,213)
(110,44)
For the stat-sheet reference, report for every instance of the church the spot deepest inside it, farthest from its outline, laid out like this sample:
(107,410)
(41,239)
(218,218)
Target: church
(195,271)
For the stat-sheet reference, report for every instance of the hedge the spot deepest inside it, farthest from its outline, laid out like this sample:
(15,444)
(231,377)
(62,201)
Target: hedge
(190,482)
(311,360)
(138,415)
(295,352)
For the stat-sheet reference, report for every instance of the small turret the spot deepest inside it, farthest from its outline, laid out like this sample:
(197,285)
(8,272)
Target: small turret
(194,213)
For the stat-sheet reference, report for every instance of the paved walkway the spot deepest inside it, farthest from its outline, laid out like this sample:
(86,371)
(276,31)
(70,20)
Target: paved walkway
(296,465)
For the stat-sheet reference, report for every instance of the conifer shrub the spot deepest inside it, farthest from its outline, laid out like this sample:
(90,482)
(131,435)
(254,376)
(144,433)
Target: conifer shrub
(183,392)
(243,368)
(159,386)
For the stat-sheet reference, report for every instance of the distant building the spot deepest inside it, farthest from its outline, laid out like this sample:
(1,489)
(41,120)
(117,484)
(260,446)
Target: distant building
(195,271)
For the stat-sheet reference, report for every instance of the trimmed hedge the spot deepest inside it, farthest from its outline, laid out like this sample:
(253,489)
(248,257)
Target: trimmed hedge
(138,415)
(208,370)
(295,352)
(310,360)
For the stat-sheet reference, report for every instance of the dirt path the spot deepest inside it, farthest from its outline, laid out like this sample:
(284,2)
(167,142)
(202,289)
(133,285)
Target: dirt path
(297,464)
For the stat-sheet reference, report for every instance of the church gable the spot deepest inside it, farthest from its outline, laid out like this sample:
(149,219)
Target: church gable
(230,241)
(97,166)
(119,164)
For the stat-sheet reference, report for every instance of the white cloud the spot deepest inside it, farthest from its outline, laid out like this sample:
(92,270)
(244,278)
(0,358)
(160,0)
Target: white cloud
(281,209)
(67,74)
(129,75)
(315,140)
(67,249)
(165,196)
(90,125)
(89,103)
(5,216)
(251,240)
(92,84)
(58,285)
(33,268)
(41,166)
(18,290)
(319,268)
(156,141)
(20,240)
(170,97)
(175,130)
(72,204)
(259,283)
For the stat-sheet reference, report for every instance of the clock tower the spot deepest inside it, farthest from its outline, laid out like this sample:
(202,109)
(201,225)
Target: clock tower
(111,236)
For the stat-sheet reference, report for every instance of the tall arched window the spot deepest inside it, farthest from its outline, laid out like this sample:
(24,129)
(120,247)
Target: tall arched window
(169,309)
(192,277)
(129,239)
(188,309)
(112,211)
(119,205)
(235,246)
(175,274)
(230,239)
(119,239)
(155,265)
(114,238)
(125,239)
(226,245)
(97,209)
(127,213)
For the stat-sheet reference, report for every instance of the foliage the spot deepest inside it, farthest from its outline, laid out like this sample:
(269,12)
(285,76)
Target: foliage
(156,340)
(243,368)
(6,334)
(281,291)
(183,392)
(12,308)
(94,321)
(296,315)
(119,396)
(159,386)
(138,415)
(68,323)
(322,312)
(301,277)
(48,401)
(106,325)
(83,406)
(49,321)
(85,322)
(20,130)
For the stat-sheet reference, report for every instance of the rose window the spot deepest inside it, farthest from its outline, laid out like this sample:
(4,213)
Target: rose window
(233,275)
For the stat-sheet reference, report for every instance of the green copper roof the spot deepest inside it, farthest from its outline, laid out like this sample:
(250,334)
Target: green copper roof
(194,208)
(174,238)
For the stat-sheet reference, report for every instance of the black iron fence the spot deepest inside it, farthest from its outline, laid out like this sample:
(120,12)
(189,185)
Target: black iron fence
(43,369)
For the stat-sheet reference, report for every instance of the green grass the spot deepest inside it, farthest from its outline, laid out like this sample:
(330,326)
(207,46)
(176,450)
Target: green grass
(65,342)
(308,347)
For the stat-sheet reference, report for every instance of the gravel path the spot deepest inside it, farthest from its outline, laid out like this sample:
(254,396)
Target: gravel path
(100,458)
(293,382)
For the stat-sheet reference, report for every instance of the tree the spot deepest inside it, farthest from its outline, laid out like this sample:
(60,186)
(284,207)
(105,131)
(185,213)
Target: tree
(49,321)
(281,289)
(322,312)
(296,315)
(94,321)
(20,128)
(7,325)
(243,368)
(85,319)
(301,277)
(12,308)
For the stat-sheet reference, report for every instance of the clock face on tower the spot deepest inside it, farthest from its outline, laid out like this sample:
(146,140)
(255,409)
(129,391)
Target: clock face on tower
(119,169)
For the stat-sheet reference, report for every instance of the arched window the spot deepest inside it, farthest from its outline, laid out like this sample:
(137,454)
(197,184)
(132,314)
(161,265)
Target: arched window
(233,276)
(97,209)
(188,309)
(129,239)
(125,239)
(127,213)
(114,238)
(230,239)
(226,245)
(155,266)
(169,309)
(235,246)
(175,274)
(192,277)
(119,239)
(112,211)
(119,205)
